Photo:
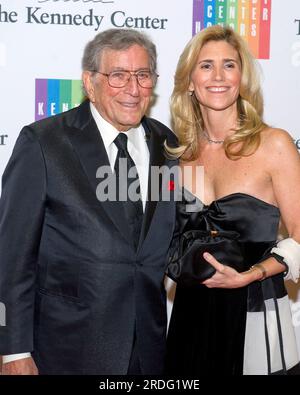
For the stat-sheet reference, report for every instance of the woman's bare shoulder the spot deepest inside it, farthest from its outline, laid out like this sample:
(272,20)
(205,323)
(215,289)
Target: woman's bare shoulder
(276,140)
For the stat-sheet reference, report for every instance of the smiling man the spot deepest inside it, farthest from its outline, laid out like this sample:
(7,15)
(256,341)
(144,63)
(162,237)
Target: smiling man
(83,285)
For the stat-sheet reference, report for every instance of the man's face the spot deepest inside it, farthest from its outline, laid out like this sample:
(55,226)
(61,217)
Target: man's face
(121,107)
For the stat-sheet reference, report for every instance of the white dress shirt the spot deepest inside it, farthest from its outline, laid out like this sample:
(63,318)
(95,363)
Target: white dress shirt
(138,150)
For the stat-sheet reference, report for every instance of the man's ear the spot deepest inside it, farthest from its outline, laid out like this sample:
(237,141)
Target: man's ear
(87,80)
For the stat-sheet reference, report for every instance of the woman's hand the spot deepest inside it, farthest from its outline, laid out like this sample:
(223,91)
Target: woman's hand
(226,276)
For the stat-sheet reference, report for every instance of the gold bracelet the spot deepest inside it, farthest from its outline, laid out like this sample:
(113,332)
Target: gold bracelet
(262,269)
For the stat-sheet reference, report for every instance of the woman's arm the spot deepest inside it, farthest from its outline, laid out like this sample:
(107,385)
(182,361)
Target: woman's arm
(282,161)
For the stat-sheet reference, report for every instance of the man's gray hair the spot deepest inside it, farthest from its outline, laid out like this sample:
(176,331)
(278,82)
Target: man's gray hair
(118,40)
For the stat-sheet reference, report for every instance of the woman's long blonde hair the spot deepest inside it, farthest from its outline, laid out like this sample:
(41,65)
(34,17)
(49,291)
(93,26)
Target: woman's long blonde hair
(186,114)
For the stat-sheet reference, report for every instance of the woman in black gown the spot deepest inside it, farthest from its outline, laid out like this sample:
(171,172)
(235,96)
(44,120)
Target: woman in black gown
(234,322)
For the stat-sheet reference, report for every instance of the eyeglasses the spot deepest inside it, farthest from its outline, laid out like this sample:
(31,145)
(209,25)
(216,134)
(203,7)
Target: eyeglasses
(118,79)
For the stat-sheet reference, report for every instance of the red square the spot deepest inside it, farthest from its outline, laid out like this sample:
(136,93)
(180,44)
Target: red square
(171,186)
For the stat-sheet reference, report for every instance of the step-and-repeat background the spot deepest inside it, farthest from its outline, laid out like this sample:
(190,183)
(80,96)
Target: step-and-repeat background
(41,45)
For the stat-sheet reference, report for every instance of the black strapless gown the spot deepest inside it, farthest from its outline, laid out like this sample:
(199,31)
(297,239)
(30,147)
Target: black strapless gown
(207,327)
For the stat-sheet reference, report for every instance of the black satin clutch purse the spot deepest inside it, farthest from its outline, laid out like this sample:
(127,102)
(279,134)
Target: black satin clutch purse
(188,267)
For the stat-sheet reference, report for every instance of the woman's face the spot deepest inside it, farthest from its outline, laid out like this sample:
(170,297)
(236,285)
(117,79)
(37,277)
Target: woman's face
(216,77)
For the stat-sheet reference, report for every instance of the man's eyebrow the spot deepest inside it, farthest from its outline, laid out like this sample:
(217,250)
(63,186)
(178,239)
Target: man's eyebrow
(124,69)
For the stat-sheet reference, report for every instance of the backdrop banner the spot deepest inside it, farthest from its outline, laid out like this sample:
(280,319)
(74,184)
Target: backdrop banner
(42,41)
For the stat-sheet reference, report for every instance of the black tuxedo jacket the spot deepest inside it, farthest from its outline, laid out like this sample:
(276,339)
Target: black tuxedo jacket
(74,287)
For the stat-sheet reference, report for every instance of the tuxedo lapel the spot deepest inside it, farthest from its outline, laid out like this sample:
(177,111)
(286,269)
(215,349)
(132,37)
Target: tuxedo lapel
(87,142)
(155,143)
(88,145)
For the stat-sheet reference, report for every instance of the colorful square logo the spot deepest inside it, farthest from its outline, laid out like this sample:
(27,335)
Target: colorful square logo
(53,96)
(250,18)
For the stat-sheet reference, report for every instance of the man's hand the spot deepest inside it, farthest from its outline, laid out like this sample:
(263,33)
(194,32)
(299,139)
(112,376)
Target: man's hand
(25,366)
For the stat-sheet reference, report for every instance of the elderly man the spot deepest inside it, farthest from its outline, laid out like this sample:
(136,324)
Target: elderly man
(81,276)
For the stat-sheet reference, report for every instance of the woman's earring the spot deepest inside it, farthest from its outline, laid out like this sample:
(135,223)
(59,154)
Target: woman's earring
(191,93)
